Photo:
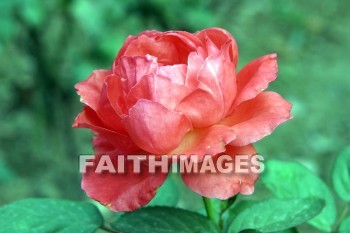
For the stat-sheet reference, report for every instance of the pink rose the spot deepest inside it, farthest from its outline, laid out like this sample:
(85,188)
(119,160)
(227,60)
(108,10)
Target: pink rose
(177,93)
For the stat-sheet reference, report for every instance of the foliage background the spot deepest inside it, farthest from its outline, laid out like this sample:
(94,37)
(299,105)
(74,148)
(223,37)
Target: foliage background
(48,46)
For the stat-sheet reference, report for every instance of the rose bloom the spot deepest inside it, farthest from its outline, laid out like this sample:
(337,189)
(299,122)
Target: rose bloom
(177,93)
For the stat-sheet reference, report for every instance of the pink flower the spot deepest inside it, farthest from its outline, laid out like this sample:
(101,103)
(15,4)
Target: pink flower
(177,93)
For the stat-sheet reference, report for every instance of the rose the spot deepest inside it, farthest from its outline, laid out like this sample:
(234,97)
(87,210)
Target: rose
(177,93)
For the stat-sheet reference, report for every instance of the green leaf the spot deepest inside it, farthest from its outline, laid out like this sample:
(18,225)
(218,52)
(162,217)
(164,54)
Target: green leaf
(341,175)
(239,207)
(163,220)
(345,226)
(233,211)
(49,215)
(274,214)
(290,230)
(292,180)
(250,231)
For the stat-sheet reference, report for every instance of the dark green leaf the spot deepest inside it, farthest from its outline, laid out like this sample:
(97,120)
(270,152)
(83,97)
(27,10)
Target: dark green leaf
(249,231)
(292,180)
(49,215)
(290,230)
(163,220)
(274,214)
(341,175)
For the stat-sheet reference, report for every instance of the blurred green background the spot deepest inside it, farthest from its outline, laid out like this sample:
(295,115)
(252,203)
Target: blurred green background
(48,46)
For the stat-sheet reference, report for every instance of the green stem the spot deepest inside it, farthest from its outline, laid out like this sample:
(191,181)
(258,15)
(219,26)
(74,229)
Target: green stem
(210,209)
(215,210)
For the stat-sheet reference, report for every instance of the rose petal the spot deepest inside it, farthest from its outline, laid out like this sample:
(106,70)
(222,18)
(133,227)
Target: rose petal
(218,74)
(252,120)
(127,42)
(219,37)
(188,39)
(121,192)
(154,128)
(211,48)
(202,108)
(165,51)
(89,119)
(176,73)
(223,185)
(170,47)
(184,42)
(106,112)
(116,95)
(255,77)
(258,117)
(205,141)
(90,89)
(134,68)
(195,62)
(158,89)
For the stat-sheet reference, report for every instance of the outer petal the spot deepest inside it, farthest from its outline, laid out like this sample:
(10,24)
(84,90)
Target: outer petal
(107,113)
(120,192)
(116,95)
(219,37)
(90,89)
(255,77)
(89,119)
(250,122)
(223,186)
(154,128)
(257,118)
